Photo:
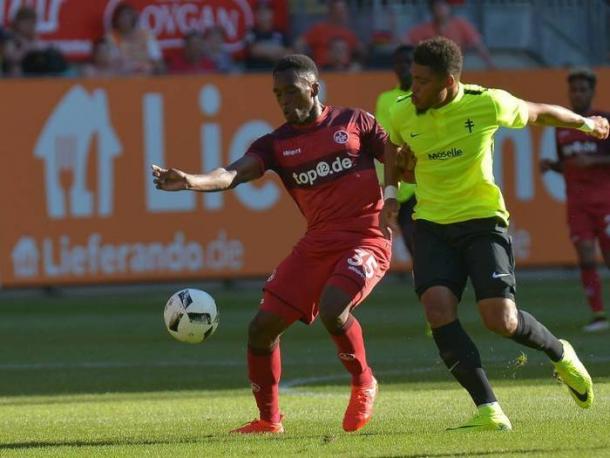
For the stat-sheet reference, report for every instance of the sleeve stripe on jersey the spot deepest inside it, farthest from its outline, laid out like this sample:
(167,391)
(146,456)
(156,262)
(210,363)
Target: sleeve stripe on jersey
(474,91)
(402,98)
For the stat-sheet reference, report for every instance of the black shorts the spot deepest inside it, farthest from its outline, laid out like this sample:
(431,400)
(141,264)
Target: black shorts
(447,254)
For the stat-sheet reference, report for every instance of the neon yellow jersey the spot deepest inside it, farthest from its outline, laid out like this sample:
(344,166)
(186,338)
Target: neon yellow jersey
(453,146)
(382,114)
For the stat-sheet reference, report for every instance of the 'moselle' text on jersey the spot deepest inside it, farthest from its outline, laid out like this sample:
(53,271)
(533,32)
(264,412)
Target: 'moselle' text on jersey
(453,145)
(584,185)
(327,167)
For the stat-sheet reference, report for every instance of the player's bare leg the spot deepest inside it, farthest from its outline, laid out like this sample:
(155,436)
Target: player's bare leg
(264,371)
(589,277)
(346,332)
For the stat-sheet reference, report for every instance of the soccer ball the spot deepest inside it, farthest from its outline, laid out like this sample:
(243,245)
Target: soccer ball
(191,316)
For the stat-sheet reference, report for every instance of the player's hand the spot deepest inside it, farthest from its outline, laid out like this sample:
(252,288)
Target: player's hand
(169,179)
(405,163)
(546,165)
(601,128)
(388,219)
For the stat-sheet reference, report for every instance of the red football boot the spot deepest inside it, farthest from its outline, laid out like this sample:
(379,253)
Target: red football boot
(360,408)
(260,427)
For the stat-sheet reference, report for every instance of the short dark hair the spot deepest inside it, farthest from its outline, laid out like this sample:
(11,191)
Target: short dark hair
(120,8)
(441,54)
(583,73)
(297,62)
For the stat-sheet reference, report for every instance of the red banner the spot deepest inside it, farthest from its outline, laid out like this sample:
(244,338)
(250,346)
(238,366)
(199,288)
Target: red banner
(73,25)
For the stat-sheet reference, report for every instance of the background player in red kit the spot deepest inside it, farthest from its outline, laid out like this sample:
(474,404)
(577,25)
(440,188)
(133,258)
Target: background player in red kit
(585,164)
(324,157)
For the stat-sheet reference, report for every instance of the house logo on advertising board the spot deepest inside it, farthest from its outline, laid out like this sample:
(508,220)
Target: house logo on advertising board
(25,258)
(64,144)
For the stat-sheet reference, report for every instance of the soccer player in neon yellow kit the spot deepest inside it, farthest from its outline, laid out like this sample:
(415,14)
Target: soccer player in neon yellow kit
(402,58)
(461,221)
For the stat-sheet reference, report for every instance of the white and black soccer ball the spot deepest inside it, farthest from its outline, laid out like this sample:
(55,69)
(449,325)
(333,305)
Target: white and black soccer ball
(191,315)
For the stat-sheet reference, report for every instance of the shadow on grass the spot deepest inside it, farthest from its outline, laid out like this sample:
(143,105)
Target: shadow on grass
(518,451)
(323,439)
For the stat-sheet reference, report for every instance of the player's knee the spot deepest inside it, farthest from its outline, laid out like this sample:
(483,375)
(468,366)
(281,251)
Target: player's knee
(333,316)
(334,308)
(587,254)
(503,323)
(261,334)
(439,306)
(438,315)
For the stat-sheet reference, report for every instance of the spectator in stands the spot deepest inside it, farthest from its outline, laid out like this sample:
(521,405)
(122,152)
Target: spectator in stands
(104,62)
(340,57)
(264,44)
(44,62)
(216,50)
(137,49)
(23,39)
(193,57)
(318,38)
(455,28)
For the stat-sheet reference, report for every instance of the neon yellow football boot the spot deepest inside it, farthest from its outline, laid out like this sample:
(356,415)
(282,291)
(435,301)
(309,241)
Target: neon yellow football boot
(490,417)
(573,374)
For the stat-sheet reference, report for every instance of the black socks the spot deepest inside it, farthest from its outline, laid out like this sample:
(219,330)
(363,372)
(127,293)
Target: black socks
(463,360)
(533,334)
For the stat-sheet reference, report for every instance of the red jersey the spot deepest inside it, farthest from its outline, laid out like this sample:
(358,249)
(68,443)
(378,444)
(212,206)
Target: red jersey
(327,167)
(588,184)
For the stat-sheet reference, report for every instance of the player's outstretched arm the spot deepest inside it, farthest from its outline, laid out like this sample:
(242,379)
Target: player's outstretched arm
(556,116)
(244,169)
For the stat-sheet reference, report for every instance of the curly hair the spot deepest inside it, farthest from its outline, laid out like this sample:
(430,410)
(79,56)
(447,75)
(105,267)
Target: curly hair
(442,55)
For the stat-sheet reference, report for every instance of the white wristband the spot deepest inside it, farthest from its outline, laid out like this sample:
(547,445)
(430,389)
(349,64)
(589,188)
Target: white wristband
(390,192)
(588,125)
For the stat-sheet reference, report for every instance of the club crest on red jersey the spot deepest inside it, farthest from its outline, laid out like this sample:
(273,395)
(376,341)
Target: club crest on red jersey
(341,137)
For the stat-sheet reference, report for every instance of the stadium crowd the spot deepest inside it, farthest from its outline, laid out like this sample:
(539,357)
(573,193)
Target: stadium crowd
(128,48)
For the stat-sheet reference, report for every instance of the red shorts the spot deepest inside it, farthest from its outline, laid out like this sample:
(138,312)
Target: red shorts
(293,290)
(589,222)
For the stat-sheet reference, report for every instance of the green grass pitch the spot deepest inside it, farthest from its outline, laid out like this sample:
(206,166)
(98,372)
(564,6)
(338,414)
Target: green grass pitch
(99,376)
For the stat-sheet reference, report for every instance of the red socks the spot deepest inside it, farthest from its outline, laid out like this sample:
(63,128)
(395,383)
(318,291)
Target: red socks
(593,289)
(351,352)
(264,371)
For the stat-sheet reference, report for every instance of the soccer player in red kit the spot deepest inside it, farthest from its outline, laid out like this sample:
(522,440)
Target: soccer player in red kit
(585,164)
(324,157)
